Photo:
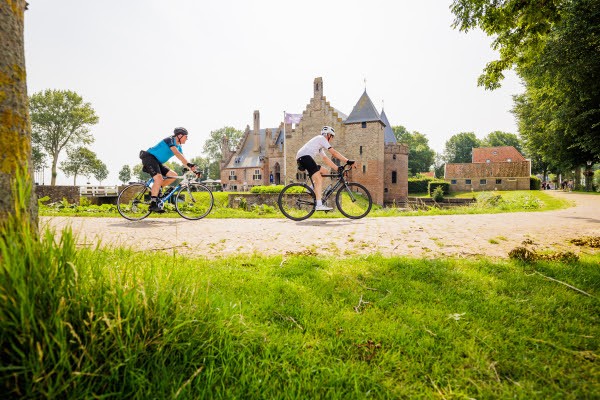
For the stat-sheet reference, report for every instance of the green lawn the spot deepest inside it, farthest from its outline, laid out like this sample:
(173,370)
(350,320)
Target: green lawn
(509,201)
(117,323)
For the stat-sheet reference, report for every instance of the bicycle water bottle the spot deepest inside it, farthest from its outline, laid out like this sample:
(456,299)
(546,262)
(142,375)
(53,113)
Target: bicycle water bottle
(327,191)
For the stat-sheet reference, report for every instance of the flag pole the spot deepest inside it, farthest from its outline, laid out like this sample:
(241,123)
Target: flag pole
(284,152)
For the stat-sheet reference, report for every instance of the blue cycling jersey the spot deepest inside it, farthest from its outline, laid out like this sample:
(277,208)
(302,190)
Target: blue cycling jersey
(162,151)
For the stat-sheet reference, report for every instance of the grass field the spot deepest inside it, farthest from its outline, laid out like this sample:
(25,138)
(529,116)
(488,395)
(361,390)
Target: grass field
(488,202)
(116,323)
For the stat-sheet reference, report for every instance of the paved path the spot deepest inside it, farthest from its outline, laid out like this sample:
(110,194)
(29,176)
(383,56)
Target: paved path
(430,236)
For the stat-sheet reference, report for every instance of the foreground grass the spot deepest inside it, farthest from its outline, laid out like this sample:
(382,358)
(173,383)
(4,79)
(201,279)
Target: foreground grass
(121,324)
(487,203)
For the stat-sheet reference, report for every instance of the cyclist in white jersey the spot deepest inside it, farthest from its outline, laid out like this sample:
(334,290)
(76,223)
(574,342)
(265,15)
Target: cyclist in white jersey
(306,160)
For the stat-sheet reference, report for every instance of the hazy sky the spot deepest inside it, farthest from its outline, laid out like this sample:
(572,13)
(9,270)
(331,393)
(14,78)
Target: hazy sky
(147,66)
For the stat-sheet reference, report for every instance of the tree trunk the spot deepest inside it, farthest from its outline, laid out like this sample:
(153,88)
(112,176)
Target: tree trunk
(54,163)
(15,126)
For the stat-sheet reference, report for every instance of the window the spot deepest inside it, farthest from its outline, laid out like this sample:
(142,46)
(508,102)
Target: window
(483,181)
(385,190)
(300,176)
(257,175)
(394,156)
(487,161)
(453,182)
(364,125)
(498,181)
(495,153)
(360,150)
(394,177)
(509,159)
(467,181)
(232,176)
(364,169)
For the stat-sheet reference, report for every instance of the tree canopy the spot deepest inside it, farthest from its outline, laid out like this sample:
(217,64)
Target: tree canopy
(212,146)
(59,120)
(420,155)
(499,138)
(125,174)
(459,148)
(83,161)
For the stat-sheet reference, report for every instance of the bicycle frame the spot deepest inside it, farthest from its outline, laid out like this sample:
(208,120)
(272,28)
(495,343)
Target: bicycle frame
(185,180)
(341,181)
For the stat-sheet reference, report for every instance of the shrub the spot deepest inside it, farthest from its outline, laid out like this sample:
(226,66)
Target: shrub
(534,183)
(266,189)
(418,185)
(433,184)
(438,193)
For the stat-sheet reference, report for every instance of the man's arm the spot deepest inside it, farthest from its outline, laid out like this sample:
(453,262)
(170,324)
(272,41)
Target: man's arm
(328,160)
(181,158)
(337,155)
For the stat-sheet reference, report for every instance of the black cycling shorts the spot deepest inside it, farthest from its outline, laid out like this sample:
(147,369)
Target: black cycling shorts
(151,165)
(309,164)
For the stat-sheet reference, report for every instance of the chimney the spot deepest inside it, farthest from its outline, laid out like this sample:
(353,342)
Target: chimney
(256,131)
(318,88)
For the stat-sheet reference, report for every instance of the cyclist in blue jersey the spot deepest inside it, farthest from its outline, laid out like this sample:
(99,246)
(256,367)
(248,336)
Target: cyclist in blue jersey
(154,158)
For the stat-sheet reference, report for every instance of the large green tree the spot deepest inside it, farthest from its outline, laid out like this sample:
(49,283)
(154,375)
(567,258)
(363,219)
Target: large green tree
(499,138)
(15,130)
(212,146)
(519,29)
(420,155)
(459,148)
(60,119)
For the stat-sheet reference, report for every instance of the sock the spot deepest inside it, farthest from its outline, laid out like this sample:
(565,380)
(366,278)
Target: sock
(319,203)
(153,199)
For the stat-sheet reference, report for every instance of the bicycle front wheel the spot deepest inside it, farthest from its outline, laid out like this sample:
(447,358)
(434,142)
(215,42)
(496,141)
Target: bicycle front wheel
(353,200)
(297,201)
(194,201)
(133,202)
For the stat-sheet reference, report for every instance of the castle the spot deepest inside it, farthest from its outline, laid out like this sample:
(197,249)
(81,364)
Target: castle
(268,156)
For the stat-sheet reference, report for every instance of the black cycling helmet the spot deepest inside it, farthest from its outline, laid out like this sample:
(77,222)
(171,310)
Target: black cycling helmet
(180,131)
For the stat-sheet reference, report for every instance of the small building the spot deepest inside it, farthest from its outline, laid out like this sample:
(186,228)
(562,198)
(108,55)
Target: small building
(493,168)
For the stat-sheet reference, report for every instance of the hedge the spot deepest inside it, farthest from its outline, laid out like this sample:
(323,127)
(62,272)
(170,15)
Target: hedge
(266,189)
(438,182)
(418,185)
(535,183)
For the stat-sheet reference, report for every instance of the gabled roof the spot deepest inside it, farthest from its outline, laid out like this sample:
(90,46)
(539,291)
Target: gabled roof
(388,132)
(496,154)
(246,157)
(363,111)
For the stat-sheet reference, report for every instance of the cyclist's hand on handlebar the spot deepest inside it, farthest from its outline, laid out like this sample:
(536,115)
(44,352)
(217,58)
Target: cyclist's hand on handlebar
(340,169)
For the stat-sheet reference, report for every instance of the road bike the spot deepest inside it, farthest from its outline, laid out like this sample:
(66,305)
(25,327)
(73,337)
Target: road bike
(297,201)
(191,199)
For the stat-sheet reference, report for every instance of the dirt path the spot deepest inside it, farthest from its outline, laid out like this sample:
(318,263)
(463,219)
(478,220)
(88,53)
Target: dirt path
(456,235)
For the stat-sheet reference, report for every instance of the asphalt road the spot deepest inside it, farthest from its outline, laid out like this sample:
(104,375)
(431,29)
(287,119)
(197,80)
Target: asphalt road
(430,236)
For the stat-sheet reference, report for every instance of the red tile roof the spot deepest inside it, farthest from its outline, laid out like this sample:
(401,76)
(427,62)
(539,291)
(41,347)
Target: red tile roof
(489,170)
(496,154)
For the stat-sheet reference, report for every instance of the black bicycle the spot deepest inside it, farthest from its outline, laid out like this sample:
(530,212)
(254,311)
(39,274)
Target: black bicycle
(192,200)
(297,201)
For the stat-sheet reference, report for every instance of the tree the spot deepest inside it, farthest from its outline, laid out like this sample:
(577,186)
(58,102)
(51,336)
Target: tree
(420,155)
(15,139)
(459,148)
(125,174)
(139,174)
(60,119)
(80,161)
(99,170)
(212,146)
(499,138)
(519,28)
(38,158)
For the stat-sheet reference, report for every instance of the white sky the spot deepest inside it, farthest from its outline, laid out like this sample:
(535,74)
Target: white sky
(147,66)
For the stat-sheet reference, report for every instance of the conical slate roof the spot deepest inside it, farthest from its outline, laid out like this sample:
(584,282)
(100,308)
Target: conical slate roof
(363,111)
(388,132)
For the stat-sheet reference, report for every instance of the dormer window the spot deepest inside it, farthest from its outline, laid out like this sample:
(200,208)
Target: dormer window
(509,159)
(495,153)
(487,161)
(364,125)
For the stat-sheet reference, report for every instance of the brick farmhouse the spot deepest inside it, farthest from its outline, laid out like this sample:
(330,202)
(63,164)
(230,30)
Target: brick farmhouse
(501,168)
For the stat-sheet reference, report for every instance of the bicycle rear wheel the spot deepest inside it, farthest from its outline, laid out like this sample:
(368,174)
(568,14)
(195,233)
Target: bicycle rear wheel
(353,200)
(194,201)
(297,201)
(133,202)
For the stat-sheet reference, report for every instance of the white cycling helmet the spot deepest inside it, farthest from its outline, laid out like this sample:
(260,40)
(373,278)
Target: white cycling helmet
(327,130)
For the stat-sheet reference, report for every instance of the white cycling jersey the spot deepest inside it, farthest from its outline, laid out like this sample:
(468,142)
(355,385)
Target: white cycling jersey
(314,146)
